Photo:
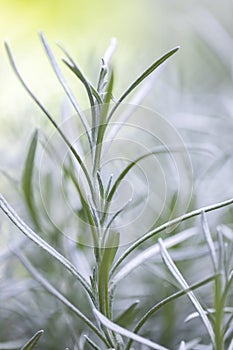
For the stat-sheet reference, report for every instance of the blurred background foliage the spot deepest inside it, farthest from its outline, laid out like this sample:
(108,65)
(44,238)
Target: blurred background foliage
(194,92)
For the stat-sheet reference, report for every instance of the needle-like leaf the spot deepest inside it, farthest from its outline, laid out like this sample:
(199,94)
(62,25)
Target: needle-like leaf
(101,128)
(180,279)
(150,253)
(209,240)
(64,84)
(145,74)
(166,225)
(127,315)
(165,301)
(33,341)
(53,122)
(109,252)
(91,343)
(43,281)
(159,150)
(118,329)
(91,91)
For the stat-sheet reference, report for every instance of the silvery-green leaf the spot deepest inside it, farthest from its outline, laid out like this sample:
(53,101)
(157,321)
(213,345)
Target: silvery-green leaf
(116,328)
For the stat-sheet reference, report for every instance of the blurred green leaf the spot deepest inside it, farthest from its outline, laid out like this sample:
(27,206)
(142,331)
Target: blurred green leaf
(100,183)
(11,345)
(126,317)
(27,180)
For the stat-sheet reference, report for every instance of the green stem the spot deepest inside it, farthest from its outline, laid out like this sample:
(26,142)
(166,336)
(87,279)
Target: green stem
(219,314)
(88,213)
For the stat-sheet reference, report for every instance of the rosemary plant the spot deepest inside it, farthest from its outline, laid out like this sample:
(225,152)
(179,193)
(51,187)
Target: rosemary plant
(100,243)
